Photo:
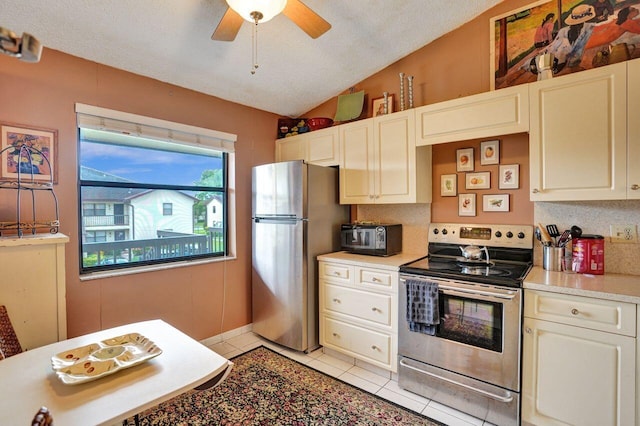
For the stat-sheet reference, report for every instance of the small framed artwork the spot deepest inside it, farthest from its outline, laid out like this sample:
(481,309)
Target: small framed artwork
(509,176)
(495,203)
(478,180)
(467,205)
(42,145)
(448,187)
(377,106)
(490,152)
(464,160)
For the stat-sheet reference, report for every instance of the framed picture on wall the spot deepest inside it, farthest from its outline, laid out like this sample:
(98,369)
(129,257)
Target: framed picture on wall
(37,162)
(377,106)
(478,180)
(448,187)
(509,177)
(467,205)
(464,160)
(495,203)
(490,152)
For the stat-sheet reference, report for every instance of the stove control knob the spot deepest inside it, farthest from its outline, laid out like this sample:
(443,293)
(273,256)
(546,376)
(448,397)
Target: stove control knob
(509,234)
(521,235)
(444,232)
(498,234)
(435,231)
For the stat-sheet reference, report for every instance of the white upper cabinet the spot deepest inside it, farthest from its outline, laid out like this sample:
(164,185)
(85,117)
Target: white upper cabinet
(319,147)
(381,164)
(292,148)
(633,127)
(500,112)
(578,136)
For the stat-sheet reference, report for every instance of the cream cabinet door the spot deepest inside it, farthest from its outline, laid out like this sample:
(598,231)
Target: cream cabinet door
(323,147)
(357,162)
(633,126)
(395,159)
(577,376)
(578,136)
(495,113)
(292,148)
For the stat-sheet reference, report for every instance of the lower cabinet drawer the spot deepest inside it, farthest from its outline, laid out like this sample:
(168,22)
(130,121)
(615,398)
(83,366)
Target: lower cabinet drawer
(368,344)
(596,314)
(361,304)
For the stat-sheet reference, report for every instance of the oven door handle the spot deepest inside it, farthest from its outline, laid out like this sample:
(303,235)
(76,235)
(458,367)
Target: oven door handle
(458,291)
(491,395)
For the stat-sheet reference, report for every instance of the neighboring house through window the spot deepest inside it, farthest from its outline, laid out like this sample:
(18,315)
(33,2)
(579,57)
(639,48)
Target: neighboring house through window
(150,191)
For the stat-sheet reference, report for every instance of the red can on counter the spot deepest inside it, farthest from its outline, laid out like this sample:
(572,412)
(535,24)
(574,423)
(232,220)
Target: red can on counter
(588,254)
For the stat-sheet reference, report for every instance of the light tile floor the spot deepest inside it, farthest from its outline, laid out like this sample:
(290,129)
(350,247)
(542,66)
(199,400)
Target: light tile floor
(361,375)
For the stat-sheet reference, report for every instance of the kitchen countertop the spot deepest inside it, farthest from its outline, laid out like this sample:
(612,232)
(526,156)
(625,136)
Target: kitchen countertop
(388,262)
(617,287)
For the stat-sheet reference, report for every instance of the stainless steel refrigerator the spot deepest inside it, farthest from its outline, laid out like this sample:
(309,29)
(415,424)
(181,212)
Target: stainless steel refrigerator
(296,217)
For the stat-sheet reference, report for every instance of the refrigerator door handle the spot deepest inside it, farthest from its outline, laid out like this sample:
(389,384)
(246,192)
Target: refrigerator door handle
(280,220)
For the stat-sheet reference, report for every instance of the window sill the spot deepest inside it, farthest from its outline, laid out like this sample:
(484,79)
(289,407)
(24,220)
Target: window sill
(151,268)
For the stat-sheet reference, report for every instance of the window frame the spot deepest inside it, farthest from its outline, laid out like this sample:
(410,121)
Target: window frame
(225,146)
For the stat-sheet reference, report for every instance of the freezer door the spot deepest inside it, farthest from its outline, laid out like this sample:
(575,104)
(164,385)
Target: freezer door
(279,282)
(278,189)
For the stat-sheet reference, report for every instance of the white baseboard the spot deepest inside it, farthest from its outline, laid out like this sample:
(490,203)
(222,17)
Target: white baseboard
(227,335)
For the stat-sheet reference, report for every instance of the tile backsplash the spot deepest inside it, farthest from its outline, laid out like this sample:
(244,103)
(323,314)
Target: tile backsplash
(594,217)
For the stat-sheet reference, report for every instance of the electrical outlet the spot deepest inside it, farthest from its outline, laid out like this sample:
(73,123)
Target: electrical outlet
(624,234)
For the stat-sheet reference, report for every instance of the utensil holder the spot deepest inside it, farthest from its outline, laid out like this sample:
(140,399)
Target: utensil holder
(552,258)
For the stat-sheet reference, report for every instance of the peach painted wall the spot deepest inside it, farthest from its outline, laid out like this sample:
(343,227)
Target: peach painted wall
(202,300)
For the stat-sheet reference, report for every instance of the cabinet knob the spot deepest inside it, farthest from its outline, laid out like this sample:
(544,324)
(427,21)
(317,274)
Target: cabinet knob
(374,309)
(635,187)
(574,311)
(336,300)
(336,273)
(527,330)
(375,280)
(535,190)
(335,334)
(375,348)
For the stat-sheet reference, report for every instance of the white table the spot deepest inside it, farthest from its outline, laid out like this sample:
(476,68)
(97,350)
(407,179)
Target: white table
(27,380)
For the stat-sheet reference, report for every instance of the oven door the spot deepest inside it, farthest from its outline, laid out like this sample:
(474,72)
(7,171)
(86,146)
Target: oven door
(478,335)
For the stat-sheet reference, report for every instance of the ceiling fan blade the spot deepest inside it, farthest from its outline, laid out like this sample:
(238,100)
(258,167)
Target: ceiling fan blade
(229,25)
(309,21)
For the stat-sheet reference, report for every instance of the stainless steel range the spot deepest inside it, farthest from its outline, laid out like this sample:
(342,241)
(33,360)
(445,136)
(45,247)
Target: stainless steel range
(467,353)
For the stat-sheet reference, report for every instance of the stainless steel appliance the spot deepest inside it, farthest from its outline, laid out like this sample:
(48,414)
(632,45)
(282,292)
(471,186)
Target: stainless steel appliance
(472,360)
(376,239)
(296,217)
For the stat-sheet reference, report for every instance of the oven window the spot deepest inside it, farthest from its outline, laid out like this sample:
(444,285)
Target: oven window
(471,321)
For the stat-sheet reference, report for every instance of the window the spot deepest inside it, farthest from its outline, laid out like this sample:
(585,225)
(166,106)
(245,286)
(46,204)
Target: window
(151,182)
(96,236)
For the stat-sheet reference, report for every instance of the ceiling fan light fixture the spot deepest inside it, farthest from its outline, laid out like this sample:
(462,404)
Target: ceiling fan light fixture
(268,8)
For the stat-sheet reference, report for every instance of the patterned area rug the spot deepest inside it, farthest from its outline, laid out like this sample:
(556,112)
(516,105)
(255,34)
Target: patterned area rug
(265,388)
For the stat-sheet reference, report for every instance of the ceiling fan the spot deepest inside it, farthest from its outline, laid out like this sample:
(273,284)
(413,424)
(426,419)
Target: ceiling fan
(259,11)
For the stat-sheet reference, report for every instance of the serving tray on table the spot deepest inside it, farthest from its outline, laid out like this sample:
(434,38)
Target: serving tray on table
(101,359)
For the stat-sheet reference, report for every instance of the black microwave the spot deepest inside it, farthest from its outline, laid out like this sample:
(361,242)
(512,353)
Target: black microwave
(375,239)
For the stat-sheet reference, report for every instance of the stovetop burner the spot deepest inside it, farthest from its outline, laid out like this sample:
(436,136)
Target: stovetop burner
(508,246)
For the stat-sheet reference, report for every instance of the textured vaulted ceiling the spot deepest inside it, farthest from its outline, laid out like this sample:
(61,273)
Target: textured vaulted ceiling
(170,40)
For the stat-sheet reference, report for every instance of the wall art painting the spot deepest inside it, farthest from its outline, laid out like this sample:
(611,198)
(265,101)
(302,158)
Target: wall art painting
(580,34)
(467,205)
(448,187)
(464,160)
(479,180)
(509,176)
(495,203)
(377,105)
(490,152)
(44,150)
